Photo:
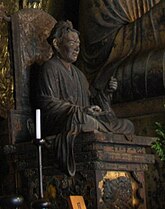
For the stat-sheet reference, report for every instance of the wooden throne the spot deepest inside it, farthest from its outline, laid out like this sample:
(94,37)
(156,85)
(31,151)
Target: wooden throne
(110,169)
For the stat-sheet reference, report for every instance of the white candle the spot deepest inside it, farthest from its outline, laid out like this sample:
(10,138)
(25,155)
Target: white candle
(38,124)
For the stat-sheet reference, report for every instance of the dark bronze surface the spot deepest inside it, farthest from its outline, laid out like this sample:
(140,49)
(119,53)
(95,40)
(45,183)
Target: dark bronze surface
(94,178)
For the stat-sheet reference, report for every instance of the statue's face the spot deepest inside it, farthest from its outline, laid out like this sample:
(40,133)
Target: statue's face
(69,47)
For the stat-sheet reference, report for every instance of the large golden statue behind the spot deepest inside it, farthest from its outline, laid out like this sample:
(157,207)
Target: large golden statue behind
(125,39)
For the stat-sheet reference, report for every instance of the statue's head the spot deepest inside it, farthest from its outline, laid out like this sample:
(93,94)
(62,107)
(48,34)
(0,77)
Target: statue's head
(65,41)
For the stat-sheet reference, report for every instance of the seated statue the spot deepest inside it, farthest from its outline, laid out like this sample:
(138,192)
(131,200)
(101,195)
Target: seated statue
(124,39)
(62,94)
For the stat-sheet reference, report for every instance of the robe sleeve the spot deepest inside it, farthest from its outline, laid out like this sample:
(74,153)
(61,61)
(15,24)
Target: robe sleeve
(61,118)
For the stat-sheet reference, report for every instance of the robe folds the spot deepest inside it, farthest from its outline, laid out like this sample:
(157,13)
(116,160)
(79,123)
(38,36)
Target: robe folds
(63,96)
(58,98)
(123,38)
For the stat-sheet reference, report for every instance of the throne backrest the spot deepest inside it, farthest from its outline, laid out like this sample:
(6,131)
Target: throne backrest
(29,30)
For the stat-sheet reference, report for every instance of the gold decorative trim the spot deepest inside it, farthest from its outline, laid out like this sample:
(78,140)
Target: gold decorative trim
(6,76)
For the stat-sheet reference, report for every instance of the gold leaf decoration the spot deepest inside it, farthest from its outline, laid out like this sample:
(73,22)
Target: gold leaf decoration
(36,4)
(6,75)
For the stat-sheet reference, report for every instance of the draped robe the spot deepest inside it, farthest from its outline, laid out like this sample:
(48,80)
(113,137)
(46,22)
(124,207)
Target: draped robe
(115,33)
(63,96)
(58,97)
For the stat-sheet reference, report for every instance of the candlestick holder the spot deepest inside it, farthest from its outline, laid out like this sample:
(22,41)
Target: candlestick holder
(11,201)
(41,203)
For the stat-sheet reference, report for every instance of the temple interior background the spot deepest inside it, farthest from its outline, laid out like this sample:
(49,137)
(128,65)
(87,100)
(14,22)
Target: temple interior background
(144,105)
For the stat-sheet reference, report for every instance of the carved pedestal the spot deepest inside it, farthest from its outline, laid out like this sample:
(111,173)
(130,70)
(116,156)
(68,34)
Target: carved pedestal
(110,172)
(114,168)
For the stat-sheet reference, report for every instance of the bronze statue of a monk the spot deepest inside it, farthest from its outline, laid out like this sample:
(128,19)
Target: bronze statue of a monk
(64,98)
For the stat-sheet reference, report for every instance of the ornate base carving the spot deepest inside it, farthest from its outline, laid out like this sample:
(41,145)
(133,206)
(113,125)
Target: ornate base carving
(110,172)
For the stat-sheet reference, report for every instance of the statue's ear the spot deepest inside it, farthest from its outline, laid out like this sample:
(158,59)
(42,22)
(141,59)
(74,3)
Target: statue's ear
(55,44)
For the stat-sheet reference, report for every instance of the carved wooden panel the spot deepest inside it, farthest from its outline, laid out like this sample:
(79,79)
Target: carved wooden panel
(104,182)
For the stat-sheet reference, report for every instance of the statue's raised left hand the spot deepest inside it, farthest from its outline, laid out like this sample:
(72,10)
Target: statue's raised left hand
(112,85)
